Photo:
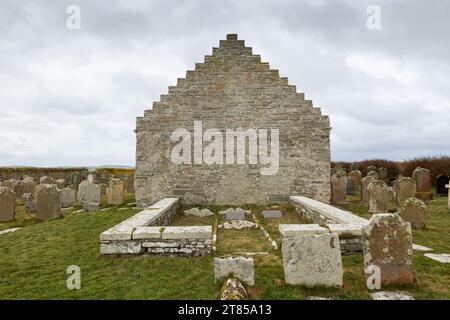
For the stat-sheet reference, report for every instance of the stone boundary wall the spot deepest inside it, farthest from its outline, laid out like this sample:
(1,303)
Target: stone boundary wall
(36,173)
(347,225)
(147,233)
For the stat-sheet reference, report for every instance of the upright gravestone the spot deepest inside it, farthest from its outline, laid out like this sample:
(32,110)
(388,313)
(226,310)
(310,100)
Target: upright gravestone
(404,188)
(448,198)
(441,181)
(373,174)
(312,260)
(350,186)
(11,184)
(414,211)
(422,178)
(68,197)
(356,175)
(115,191)
(388,253)
(46,180)
(378,196)
(364,192)
(7,204)
(30,185)
(48,202)
(20,188)
(129,184)
(61,183)
(75,178)
(89,195)
(383,173)
(371,168)
(338,187)
(30,204)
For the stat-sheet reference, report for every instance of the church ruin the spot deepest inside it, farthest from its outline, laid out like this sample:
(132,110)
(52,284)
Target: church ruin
(251,119)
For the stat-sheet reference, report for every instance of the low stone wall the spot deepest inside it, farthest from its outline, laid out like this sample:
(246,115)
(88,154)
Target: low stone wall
(147,233)
(18,173)
(347,225)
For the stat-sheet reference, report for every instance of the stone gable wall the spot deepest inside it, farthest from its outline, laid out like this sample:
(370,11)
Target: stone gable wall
(232,89)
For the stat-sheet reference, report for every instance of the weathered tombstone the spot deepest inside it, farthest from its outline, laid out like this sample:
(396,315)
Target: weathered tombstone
(11,184)
(364,193)
(413,211)
(387,246)
(20,188)
(30,204)
(404,188)
(441,181)
(373,174)
(48,202)
(115,191)
(383,173)
(7,204)
(422,178)
(338,187)
(30,185)
(61,183)
(356,175)
(312,260)
(46,180)
(129,184)
(378,196)
(272,214)
(239,267)
(89,195)
(75,178)
(391,181)
(355,166)
(350,186)
(103,189)
(448,201)
(68,197)
(234,215)
(371,168)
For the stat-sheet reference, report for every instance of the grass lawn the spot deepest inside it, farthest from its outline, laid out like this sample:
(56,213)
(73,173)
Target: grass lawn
(33,261)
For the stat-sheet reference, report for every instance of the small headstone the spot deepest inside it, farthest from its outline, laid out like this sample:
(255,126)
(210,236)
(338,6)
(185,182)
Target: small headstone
(30,204)
(414,211)
(378,196)
(441,181)
(383,173)
(350,186)
(238,267)
(19,189)
(11,184)
(199,213)
(312,260)
(235,215)
(404,188)
(371,168)
(338,187)
(356,175)
(46,180)
(7,204)
(272,214)
(30,185)
(115,192)
(48,202)
(387,246)
(422,178)
(373,174)
(364,193)
(129,184)
(68,197)
(75,178)
(89,195)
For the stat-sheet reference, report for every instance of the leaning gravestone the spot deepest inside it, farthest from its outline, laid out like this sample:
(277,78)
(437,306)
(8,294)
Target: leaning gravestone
(338,187)
(89,195)
(414,211)
(272,214)
(68,197)
(350,186)
(364,193)
(357,177)
(115,191)
(7,204)
(404,188)
(378,196)
(422,178)
(387,246)
(383,173)
(48,202)
(441,181)
(312,260)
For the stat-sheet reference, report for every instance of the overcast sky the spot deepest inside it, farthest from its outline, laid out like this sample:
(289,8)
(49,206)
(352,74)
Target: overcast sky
(71,97)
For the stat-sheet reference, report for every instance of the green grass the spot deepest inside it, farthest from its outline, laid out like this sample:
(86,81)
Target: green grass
(33,261)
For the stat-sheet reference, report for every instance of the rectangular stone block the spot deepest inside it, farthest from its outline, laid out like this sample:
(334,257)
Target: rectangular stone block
(272,214)
(190,232)
(147,233)
(120,247)
(235,216)
(313,260)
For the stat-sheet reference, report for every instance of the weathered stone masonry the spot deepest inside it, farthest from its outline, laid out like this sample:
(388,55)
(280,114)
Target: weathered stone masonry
(232,88)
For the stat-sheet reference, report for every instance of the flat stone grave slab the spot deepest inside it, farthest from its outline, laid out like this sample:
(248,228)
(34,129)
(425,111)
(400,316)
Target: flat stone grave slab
(272,214)
(391,295)
(444,258)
